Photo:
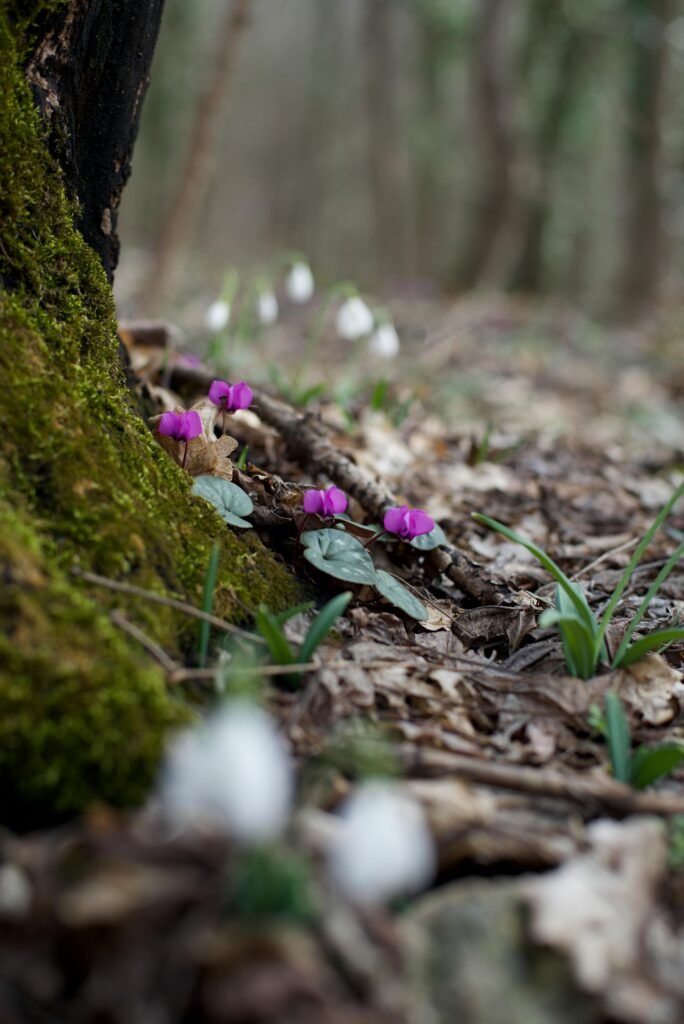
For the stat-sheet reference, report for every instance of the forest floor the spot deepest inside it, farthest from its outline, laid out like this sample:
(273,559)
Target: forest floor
(560,892)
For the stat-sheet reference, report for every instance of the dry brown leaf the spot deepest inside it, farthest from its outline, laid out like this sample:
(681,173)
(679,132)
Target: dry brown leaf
(651,687)
(597,906)
(206,454)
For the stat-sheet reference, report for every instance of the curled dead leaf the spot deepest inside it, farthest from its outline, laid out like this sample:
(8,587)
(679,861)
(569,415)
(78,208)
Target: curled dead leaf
(207,454)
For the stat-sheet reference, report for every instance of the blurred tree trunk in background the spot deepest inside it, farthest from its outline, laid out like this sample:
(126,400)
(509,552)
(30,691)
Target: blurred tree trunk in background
(492,118)
(179,219)
(301,215)
(643,239)
(553,39)
(425,185)
(384,150)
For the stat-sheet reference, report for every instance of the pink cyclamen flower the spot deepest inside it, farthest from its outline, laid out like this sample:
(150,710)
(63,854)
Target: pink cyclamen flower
(181,426)
(325,503)
(230,397)
(407,522)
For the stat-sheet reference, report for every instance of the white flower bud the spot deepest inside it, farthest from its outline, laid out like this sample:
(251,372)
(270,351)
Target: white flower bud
(300,282)
(384,342)
(217,316)
(233,772)
(354,319)
(267,308)
(384,847)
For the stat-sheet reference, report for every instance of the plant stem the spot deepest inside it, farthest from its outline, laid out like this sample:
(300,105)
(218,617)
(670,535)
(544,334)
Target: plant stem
(376,536)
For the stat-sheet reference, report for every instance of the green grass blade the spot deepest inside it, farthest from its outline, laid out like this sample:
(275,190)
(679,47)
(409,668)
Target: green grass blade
(575,594)
(653,642)
(278,645)
(323,623)
(618,736)
(577,637)
(207,605)
(652,763)
(290,613)
(578,643)
(633,562)
(643,607)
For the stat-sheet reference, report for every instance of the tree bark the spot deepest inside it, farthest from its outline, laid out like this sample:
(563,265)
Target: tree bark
(89,74)
(83,711)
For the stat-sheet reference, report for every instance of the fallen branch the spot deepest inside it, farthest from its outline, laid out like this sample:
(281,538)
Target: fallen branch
(610,795)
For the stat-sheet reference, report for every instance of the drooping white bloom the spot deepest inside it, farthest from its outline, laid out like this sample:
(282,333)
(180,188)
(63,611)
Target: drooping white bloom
(267,308)
(217,315)
(384,846)
(354,319)
(232,772)
(300,282)
(384,341)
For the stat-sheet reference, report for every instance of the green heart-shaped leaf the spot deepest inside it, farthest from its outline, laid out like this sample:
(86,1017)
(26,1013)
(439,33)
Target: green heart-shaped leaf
(338,554)
(397,594)
(428,541)
(229,500)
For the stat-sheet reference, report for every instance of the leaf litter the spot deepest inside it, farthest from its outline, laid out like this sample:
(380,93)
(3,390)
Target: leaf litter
(489,732)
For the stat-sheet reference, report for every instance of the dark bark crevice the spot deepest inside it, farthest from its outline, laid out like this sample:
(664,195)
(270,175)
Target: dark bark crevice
(89,74)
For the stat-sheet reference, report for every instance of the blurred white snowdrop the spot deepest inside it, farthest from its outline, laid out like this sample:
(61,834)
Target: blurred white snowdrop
(384,341)
(233,772)
(300,282)
(267,308)
(384,846)
(354,319)
(217,315)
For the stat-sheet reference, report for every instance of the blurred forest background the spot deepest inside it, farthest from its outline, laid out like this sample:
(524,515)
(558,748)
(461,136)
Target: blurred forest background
(417,147)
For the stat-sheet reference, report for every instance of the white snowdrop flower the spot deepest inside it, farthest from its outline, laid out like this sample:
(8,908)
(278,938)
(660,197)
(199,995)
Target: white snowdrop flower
(384,846)
(354,319)
(233,772)
(300,282)
(384,341)
(267,308)
(217,315)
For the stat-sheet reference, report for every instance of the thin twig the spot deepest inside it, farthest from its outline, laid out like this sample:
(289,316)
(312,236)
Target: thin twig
(611,795)
(199,675)
(157,652)
(169,602)
(625,546)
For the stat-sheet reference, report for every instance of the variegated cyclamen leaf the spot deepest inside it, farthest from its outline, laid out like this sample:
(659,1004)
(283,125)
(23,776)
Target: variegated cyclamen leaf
(428,541)
(339,554)
(399,595)
(229,500)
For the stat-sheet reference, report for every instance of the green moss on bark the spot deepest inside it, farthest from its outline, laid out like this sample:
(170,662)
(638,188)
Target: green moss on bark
(82,482)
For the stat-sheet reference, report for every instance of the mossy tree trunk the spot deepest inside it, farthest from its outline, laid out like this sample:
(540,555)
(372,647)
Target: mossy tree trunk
(83,711)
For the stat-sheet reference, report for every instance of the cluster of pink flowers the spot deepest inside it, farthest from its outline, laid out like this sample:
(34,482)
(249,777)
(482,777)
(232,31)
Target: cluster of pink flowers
(401,520)
(408,523)
(181,426)
(231,397)
(325,503)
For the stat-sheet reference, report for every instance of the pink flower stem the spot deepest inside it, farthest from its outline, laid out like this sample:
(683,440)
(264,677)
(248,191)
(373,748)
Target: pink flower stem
(185,454)
(300,531)
(376,536)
